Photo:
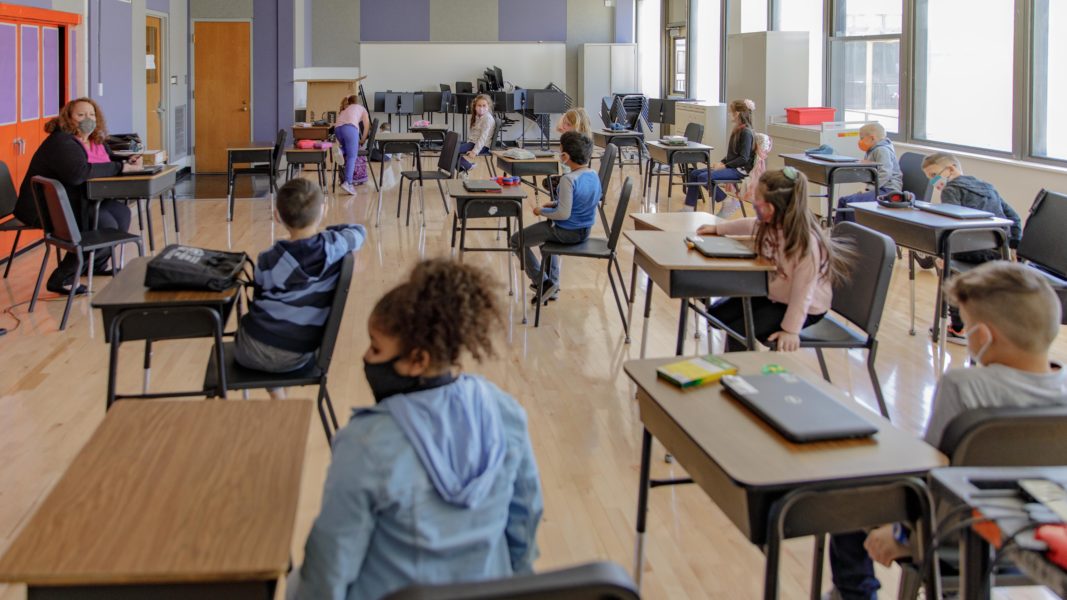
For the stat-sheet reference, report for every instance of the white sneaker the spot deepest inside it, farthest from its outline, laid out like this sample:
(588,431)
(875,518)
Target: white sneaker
(348,188)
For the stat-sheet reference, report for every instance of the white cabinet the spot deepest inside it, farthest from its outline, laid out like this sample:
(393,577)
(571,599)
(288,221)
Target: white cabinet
(771,69)
(713,116)
(605,69)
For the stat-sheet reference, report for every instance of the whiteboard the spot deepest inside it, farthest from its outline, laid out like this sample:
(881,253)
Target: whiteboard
(421,66)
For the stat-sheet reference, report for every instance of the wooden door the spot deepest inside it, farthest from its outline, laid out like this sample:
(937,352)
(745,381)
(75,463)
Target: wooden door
(154,82)
(221,91)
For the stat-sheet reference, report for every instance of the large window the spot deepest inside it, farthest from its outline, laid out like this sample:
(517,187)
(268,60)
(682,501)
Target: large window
(753,15)
(1050,85)
(704,41)
(865,61)
(964,71)
(805,15)
(649,41)
(678,63)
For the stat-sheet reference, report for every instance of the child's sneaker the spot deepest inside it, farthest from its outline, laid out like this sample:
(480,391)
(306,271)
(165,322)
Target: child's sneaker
(956,336)
(924,261)
(551,292)
(348,188)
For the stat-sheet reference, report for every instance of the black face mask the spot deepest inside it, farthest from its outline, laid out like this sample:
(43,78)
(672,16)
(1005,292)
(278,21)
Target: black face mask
(385,381)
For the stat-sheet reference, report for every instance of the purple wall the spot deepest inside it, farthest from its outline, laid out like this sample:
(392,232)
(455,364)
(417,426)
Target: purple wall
(624,21)
(34,3)
(527,21)
(162,6)
(397,20)
(51,71)
(110,31)
(31,98)
(8,73)
(272,67)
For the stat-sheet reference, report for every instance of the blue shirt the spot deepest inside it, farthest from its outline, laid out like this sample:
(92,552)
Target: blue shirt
(435,486)
(579,194)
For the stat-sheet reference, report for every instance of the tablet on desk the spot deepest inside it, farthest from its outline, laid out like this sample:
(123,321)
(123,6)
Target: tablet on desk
(833,158)
(720,247)
(481,185)
(953,210)
(544,154)
(149,170)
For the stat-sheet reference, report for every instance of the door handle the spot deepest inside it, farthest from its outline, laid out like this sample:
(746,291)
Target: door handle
(244,107)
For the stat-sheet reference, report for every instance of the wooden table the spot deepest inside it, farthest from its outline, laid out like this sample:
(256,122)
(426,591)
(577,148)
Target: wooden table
(137,188)
(148,510)
(665,154)
(528,167)
(747,468)
(132,312)
(256,152)
(930,233)
(401,142)
(687,222)
(828,174)
(313,132)
(686,274)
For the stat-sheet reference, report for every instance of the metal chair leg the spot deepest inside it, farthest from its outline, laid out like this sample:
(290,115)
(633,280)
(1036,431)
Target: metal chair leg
(40,277)
(11,257)
(822,365)
(540,288)
(73,290)
(872,352)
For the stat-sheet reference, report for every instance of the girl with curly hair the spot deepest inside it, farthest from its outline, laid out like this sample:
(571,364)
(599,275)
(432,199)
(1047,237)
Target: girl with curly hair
(437,482)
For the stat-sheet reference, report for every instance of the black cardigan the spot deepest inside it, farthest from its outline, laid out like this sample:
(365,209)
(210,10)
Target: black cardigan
(63,158)
(741,151)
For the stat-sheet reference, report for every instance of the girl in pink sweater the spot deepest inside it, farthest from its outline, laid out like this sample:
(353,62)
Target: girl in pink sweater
(808,263)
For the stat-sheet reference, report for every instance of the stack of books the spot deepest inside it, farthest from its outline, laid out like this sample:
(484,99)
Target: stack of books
(674,140)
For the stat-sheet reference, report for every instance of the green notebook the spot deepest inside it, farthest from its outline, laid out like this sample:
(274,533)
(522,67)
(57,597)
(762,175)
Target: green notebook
(698,371)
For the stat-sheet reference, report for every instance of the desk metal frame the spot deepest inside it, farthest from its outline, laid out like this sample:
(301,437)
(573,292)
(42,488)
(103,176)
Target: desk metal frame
(829,174)
(663,154)
(138,188)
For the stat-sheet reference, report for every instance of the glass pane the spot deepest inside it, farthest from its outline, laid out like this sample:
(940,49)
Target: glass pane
(866,87)
(753,15)
(704,38)
(806,15)
(1050,86)
(966,95)
(649,41)
(679,66)
(868,17)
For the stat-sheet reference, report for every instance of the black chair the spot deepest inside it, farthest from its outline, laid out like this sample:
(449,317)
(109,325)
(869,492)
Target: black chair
(237,377)
(600,248)
(8,198)
(915,181)
(61,230)
(607,167)
(996,437)
(860,300)
(446,169)
(593,581)
(269,169)
(1041,246)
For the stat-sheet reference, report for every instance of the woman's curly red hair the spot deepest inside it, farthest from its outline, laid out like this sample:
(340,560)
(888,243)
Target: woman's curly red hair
(65,121)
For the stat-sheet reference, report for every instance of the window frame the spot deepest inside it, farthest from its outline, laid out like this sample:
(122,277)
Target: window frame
(831,10)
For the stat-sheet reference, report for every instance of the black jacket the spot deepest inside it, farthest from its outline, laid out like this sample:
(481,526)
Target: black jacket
(741,151)
(63,158)
(972,192)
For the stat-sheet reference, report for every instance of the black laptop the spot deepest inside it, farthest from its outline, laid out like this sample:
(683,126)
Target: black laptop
(953,210)
(717,246)
(797,409)
(148,170)
(834,158)
(543,153)
(481,185)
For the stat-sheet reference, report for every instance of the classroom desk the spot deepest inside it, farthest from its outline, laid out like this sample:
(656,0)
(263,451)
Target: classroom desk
(686,274)
(688,222)
(314,132)
(603,137)
(431,134)
(921,231)
(955,487)
(829,174)
(138,187)
(403,143)
(132,312)
(747,468)
(529,167)
(296,158)
(664,154)
(506,203)
(147,509)
(256,152)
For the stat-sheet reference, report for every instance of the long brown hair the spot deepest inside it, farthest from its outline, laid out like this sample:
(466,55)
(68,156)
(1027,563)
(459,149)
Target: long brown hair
(743,109)
(65,121)
(348,101)
(479,97)
(788,194)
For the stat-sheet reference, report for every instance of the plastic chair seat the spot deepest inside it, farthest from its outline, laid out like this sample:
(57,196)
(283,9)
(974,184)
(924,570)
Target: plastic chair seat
(591,247)
(831,333)
(14,224)
(242,378)
(426,175)
(106,238)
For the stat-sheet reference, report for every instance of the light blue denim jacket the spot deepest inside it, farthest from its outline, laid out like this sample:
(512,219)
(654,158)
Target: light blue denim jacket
(435,486)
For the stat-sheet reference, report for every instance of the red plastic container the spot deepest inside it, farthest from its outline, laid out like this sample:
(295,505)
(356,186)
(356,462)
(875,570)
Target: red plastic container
(811,115)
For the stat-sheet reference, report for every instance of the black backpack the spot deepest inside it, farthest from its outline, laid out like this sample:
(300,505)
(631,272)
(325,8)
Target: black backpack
(190,268)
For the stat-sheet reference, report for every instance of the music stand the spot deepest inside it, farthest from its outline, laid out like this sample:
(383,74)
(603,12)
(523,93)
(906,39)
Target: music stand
(499,76)
(662,111)
(546,102)
(431,102)
(464,87)
(379,102)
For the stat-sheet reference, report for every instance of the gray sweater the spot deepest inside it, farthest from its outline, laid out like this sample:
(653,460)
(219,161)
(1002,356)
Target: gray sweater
(890,177)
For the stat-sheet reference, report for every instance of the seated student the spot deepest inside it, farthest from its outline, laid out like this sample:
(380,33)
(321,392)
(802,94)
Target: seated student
(574,119)
(352,129)
(437,482)
(879,148)
(569,219)
(965,190)
(294,284)
(740,155)
(480,132)
(1012,316)
(808,262)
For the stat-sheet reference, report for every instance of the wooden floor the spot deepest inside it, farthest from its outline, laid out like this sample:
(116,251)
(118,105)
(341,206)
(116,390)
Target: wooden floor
(582,418)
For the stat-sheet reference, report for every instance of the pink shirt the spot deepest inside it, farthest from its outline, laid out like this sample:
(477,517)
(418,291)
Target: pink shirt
(796,282)
(353,115)
(96,152)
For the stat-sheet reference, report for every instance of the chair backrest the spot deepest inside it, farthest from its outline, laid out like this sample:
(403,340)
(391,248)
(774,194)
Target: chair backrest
(8,194)
(1007,437)
(694,132)
(860,298)
(1042,240)
(747,191)
(53,208)
(279,147)
(593,581)
(337,312)
(620,213)
(607,167)
(915,181)
(449,154)
(374,124)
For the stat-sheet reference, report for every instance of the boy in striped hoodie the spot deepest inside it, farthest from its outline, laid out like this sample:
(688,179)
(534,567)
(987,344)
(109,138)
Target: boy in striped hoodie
(294,285)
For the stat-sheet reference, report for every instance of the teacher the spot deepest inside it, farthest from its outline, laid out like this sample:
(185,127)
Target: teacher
(73,153)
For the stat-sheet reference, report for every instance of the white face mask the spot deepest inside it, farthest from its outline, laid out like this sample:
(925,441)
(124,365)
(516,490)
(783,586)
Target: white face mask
(976,358)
